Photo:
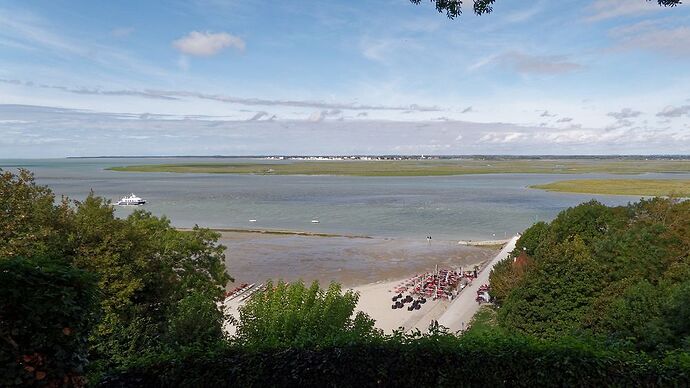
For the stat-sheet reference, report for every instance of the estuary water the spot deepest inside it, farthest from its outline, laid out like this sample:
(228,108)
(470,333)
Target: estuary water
(447,208)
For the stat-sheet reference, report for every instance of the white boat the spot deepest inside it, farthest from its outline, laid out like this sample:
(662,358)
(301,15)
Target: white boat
(132,200)
(252,220)
(314,221)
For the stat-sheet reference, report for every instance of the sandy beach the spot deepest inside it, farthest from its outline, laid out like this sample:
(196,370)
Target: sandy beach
(371,266)
(375,300)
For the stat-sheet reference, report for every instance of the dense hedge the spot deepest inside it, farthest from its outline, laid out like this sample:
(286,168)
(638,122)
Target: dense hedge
(428,361)
(46,314)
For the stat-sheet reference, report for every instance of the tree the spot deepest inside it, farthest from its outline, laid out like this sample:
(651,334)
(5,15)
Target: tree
(158,286)
(292,315)
(618,274)
(151,276)
(31,225)
(453,8)
(636,317)
(47,310)
(507,275)
(530,240)
(553,298)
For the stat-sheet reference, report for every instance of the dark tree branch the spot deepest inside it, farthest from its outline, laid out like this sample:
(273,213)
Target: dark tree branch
(453,8)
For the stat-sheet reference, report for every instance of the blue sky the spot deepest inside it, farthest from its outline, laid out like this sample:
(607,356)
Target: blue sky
(237,77)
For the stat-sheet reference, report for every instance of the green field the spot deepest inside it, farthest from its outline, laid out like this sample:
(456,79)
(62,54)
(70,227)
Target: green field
(484,321)
(424,167)
(641,187)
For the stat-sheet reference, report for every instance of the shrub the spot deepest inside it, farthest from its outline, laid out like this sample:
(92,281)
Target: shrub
(294,315)
(46,313)
(408,361)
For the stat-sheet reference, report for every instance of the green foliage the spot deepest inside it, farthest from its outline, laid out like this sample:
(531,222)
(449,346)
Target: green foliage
(508,273)
(158,286)
(47,310)
(196,320)
(636,316)
(30,223)
(453,8)
(615,274)
(588,221)
(436,360)
(484,322)
(292,315)
(678,314)
(553,298)
(531,238)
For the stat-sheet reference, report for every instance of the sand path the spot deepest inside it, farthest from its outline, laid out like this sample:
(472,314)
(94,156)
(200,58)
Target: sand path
(463,308)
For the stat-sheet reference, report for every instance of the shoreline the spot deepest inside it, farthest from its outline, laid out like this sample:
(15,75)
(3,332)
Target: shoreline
(282,232)
(303,233)
(371,266)
(375,301)
(256,257)
(484,243)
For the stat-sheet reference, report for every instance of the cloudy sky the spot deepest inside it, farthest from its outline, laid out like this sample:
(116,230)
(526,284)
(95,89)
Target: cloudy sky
(231,77)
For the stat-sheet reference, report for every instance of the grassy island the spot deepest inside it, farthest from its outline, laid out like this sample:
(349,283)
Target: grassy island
(424,167)
(641,187)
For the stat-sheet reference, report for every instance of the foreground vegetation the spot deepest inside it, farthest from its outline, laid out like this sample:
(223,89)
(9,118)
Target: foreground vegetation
(425,167)
(599,295)
(81,288)
(641,187)
(436,360)
(614,275)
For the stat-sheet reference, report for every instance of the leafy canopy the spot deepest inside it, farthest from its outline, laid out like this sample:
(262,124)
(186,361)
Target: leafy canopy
(617,274)
(293,315)
(158,286)
(47,310)
(453,8)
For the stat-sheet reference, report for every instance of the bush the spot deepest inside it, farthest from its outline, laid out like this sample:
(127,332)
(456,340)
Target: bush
(403,361)
(158,286)
(293,315)
(46,313)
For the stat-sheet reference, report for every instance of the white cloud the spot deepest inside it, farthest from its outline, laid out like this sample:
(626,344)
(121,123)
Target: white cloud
(524,15)
(71,132)
(530,64)
(664,36)
(501,137)
(625,113)
(607,9)
(205,44)
(672,111)
(621,123)
(320,116)
(29,32)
